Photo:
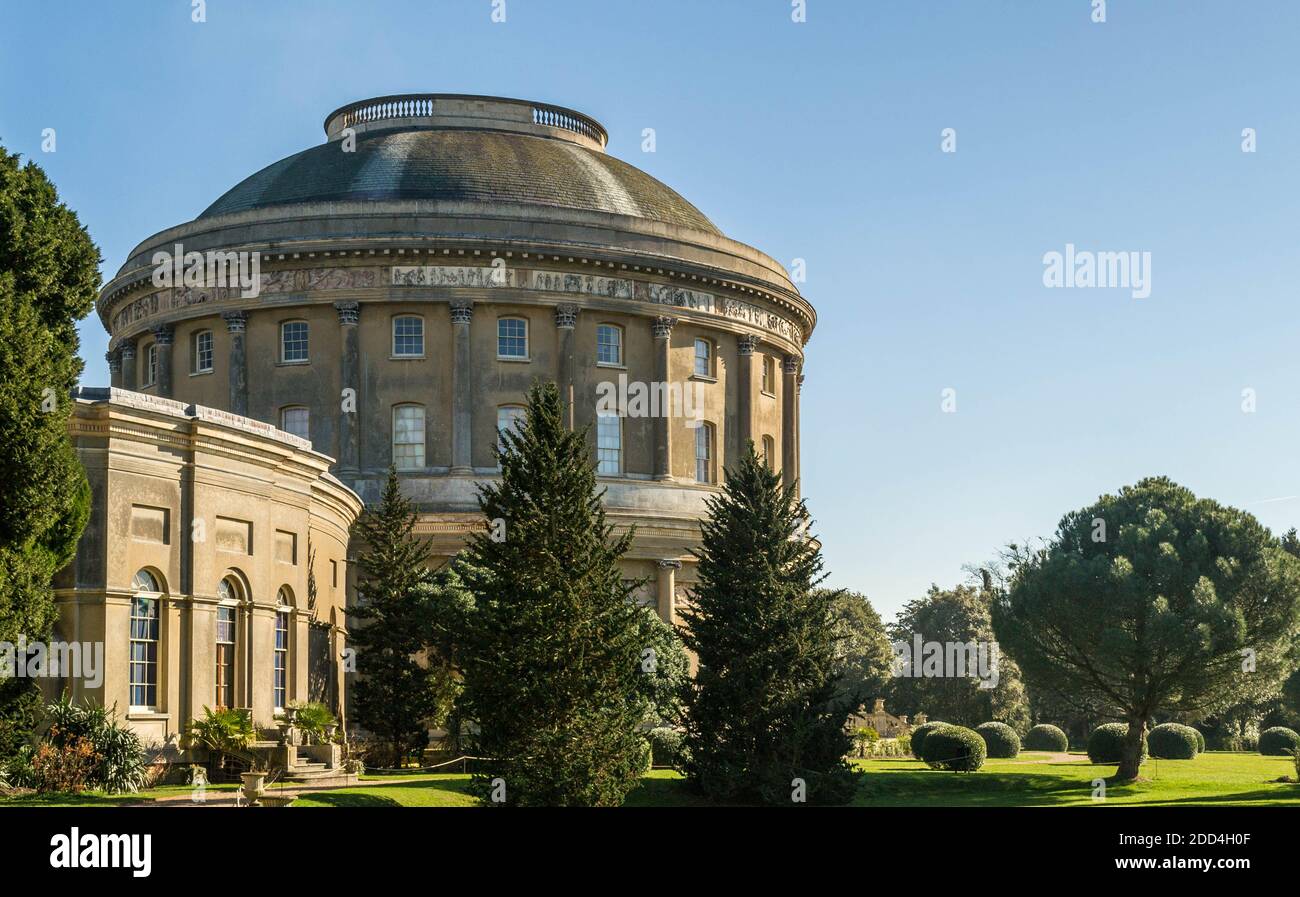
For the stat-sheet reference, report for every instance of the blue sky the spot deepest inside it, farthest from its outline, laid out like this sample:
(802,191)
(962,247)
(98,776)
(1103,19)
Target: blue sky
(821,141)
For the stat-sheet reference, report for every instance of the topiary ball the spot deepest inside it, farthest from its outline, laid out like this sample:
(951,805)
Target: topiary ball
(1001,740)
(1046,737)
(1200,741)
(1278,741)
(1106,744)
(919,734)
(954,748)
(1171,741)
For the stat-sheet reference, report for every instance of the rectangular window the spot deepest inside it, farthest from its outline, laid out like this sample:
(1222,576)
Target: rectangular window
(151,364)
(769,452)
(512,338)
(609,444)
(508,417)
(769,375)
(408,437)
(408,337)
(293,342)
(203,352)
(144,653)
(609,344)
(226,656)
(296,420)
(281,685)
(703,358)
(704,453)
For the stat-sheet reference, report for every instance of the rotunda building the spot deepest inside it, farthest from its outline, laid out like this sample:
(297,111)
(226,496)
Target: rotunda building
(392,293)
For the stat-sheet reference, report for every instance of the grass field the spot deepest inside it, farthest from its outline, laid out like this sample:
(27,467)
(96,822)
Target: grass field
(1213,779)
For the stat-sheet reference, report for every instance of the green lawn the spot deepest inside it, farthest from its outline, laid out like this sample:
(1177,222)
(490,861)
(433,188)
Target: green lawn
(1215,779)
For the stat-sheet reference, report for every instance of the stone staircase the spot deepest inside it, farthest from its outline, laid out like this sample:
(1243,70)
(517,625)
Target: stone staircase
(303,767)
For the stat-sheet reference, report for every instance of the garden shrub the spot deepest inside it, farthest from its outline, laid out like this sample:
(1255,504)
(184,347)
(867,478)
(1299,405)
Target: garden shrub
(1171,741)
(954,748)
(118,755)
(314,719)
(1106,743)
(1046,737)
(1001,740)
(666,745)
(918,737)
(1200,740)
(1278,741)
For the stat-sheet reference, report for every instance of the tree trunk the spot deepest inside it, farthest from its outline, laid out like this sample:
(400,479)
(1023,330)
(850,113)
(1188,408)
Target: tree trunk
(1131,757)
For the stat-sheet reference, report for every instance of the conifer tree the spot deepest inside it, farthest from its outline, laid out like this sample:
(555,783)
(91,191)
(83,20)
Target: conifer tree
(766,716)
(404,685)
(551,655)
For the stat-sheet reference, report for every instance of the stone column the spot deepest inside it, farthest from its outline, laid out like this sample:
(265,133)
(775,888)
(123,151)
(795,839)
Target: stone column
(114,358)
(667,588)
(745,389)
(349,379)
(127,351)
(566,320)
(462,418)
(789,420)
(663,331)
(163,335)
(236,324)
(798,429)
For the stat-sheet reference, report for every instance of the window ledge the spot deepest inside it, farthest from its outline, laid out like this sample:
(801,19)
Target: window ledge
(145,714)
(704,378)
(612,365)
(406,357)
(770,395)
(514,359)
(201,373)
(290,364)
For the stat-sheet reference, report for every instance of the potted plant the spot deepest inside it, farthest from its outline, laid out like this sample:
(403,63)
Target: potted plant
(222,733)
(254,781)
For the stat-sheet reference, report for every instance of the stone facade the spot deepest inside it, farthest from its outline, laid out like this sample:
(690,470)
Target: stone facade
(186,497)
(451,214)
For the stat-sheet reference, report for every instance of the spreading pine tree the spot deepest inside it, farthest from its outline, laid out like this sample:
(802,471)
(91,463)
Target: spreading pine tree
(404,682)
(552,652)
(765,716)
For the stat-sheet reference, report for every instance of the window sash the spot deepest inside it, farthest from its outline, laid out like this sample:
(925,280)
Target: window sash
(704,453)
(143,674)
(408,437)
(280,686)
(294,341)
(203,352)
(225,685)
(703,358)
(609,344)
(296,421)
(408,337)
(512,338)
(609,444)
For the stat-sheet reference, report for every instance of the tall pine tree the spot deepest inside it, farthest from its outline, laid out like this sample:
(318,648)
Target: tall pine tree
(404,683)
(765,717)
(552,653)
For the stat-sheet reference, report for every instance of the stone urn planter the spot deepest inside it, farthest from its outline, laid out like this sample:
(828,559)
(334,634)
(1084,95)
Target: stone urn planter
(331,731)
(254,782)
(275,800)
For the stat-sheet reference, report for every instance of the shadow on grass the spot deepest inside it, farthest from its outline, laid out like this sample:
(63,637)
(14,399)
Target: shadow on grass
(379,795)
(928,787)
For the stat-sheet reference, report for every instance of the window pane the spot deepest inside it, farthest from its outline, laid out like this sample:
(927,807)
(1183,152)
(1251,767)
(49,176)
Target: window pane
(704,453)
(609,444)
(203,351)
(151,364)
(702,360)
(144,652)
(609,344)
(508,417)
(408,336)
(408,437)
(512,338)
(295,421)
(280,689)
(293,341)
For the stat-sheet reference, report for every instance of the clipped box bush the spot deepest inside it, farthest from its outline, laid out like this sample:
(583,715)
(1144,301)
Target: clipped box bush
(1000,739)
(1106,743)
(954,748)
(1200,741)
(1046,737)
(1278,741)
(919,734)
(1171,741)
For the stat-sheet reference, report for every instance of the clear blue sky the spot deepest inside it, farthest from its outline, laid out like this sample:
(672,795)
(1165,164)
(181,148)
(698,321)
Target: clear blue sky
(822,141)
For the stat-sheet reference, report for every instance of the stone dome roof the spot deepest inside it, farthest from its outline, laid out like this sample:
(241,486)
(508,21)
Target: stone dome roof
(471,149)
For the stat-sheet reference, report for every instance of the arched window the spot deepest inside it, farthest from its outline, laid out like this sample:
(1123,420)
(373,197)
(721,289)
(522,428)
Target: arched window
(609,444)
(144,641)
(203,352)
(293,343)
(408,336)
(509,417)
(280,688)
(703,358)
(512,338)
(609,344)
(230,593)
(704,442)
(296,419)
(769,452)
(408,437)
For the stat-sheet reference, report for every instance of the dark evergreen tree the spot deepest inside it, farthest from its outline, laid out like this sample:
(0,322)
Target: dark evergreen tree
(552,653)
(49,277)
(404,684)
(766,708)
